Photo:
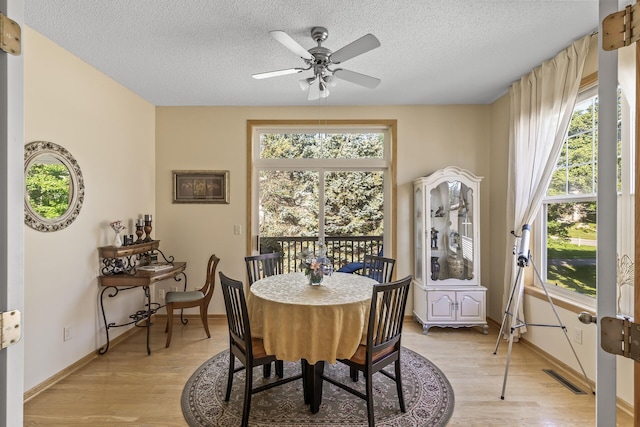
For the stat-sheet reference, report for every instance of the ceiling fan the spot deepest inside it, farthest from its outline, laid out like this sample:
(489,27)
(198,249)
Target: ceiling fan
(321,60)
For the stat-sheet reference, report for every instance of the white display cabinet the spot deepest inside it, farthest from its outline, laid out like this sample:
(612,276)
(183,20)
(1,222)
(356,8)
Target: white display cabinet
(447,290)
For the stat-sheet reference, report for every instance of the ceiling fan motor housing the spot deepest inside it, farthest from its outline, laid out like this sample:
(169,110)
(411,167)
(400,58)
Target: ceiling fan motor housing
(319,34)
(320,54)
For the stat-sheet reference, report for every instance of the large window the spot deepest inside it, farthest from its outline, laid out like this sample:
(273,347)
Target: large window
(321,183)
(568,214)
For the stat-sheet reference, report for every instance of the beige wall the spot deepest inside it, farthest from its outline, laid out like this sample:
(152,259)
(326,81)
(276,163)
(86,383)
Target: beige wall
(429,138)
(498,236)
(110,132)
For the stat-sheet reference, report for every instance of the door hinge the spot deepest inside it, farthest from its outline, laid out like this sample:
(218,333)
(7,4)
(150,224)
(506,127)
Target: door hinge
(620,336)
(10,328)
(621,28)
(10,35)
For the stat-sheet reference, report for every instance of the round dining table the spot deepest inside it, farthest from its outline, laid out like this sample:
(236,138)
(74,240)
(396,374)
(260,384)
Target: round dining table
(313,323)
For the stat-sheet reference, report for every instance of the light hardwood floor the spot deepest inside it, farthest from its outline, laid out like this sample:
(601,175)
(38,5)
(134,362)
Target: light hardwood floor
(127,387)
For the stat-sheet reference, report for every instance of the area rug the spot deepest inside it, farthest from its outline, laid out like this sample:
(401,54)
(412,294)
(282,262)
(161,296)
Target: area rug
(428,397)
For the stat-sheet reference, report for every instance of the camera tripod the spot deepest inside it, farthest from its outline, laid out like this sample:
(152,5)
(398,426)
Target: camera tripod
(511,312)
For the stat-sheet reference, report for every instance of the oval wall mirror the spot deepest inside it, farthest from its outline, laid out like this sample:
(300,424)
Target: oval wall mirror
(54,188)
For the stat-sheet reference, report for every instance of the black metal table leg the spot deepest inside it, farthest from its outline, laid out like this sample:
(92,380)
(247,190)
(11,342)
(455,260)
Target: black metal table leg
(105,348)
(147,293)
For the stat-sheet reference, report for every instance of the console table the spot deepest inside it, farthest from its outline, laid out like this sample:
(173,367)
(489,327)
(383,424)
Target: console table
(124,268)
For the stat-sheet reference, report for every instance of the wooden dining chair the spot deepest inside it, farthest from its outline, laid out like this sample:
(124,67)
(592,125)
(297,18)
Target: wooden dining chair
(263,265)
(378,268)
(259,267)
(199,298)
(246,348)
(356,266)
(384,333)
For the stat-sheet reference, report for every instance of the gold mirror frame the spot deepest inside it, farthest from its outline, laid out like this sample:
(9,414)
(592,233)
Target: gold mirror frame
(33,151)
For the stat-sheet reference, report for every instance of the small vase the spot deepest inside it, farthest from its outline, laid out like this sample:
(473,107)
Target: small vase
(435,268)
(315,277)
(118,241)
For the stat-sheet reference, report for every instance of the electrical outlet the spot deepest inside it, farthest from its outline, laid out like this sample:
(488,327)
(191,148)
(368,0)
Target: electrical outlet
(67,333)
(237,230)
(174,289)
(161,293)
(577,335)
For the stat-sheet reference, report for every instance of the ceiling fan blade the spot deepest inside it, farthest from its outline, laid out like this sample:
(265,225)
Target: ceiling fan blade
(357,78)
(358,47)
(314,91)
(290,44)
(277,73)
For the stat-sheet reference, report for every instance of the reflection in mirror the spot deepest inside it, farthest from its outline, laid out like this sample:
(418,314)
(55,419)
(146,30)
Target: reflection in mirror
(54,186)
(454,195)
(48,186)
(456,227)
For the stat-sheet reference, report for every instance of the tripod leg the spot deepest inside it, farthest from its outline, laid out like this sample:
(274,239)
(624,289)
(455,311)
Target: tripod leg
(506,311)
(564,329)
(514,320)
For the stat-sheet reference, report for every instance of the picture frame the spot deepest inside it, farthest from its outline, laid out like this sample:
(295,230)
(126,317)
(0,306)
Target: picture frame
(198,186)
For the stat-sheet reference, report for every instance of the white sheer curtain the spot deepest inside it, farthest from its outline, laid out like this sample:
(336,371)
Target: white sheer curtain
(541,106)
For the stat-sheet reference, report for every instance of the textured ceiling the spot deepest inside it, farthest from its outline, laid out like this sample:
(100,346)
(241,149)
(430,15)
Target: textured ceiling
(203,52)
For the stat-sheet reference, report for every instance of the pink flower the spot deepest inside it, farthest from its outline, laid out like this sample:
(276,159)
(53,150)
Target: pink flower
(117,226)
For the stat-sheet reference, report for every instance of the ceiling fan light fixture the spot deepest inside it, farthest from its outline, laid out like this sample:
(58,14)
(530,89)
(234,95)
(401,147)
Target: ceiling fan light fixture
(330,80)
(305,83)
(324,90)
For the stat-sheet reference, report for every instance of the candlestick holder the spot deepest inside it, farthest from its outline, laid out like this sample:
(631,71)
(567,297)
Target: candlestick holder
(147,231)
(139,233)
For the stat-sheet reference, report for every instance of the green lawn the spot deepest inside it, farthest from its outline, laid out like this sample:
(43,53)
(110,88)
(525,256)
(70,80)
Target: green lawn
(585,232)
(563,250)
(571,275)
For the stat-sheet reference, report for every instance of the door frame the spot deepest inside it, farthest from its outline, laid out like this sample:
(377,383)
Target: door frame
(11,218)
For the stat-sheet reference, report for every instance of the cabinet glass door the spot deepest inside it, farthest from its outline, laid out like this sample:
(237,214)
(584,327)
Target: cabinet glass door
(452,231)
(419,221)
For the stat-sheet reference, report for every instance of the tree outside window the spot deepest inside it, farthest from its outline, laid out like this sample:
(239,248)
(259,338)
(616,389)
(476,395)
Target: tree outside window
(570,206)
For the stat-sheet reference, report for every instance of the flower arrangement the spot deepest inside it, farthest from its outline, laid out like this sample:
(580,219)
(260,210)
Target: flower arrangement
(117,226)
(314,267)
(308,261)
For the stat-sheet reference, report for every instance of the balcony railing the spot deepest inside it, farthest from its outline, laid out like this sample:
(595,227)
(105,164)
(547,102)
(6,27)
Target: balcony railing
(340,250)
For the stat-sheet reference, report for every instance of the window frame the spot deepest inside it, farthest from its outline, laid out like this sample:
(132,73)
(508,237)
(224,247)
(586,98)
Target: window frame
(386,164)
(625,200)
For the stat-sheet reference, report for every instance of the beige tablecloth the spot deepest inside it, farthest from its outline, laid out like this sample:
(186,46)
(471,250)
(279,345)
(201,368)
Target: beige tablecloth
(300,321)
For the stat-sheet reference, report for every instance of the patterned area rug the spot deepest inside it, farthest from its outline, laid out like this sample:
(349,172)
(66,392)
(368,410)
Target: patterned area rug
(428,397)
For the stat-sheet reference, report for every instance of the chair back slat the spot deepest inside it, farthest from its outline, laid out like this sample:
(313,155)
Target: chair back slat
(263,265)
(210,281)
(388,303)
(378,268)
(237,314)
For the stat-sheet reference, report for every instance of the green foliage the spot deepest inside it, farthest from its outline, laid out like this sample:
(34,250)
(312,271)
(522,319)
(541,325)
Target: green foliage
(289,199)
(569,265)
(571,219)
(48,187)
(321,146)
(558,230)
(575,171)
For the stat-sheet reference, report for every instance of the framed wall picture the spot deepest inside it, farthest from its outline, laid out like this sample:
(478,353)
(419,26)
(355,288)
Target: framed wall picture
(200,186)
